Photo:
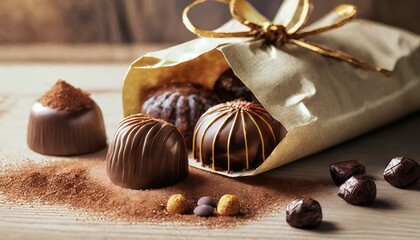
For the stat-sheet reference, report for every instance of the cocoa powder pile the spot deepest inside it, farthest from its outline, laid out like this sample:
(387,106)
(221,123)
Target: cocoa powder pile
(83,185)
(63,96)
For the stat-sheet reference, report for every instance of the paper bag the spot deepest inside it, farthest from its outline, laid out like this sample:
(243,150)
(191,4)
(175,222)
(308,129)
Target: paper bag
(319,100)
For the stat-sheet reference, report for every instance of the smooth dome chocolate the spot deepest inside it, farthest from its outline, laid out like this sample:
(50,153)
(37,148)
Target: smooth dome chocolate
(235,136)
(181,104)
(229,87)
(65,121)
(146,153)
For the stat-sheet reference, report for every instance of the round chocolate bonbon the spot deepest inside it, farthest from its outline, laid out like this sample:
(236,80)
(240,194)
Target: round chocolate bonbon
(341,171)
(64,122)
(401,172)
(304,213)
(235,136)
(358,190)
(181,104)
(146,153)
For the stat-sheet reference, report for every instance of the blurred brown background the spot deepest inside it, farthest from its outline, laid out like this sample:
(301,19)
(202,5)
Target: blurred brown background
(129,21)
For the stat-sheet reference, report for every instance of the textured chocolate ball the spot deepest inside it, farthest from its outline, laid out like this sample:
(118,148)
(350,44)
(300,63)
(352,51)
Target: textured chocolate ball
(358,190)
(304,213)
(146,153)
(181,104)
(229,87)
(401,172)
(235,136)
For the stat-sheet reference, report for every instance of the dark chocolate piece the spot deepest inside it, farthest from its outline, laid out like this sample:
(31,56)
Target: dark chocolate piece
(181,104)
(229,87)
(358,190)
(146,153)
(341,171)
(64,133)
(402,171)
(207,201)
(304,213)
(235,136)
(204,210)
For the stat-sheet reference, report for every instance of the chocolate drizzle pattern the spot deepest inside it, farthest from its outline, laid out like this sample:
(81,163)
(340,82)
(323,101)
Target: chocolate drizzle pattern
(146,153)
(235,136)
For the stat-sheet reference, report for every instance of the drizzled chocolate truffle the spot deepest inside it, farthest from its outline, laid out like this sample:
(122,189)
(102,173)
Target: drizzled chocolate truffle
(146,153)
(65,121)
(235,136)
(181,104)
(229,87)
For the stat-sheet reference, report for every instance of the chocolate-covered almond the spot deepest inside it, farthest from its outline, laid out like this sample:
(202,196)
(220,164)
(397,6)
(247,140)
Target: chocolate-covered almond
(146,153)
(235,136)
(65,121)
(207,201)
(204,210)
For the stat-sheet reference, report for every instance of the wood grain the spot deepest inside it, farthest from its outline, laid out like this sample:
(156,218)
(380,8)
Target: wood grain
(395,215)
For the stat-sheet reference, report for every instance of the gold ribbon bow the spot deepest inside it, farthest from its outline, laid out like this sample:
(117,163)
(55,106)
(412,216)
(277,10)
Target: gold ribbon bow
(261,28)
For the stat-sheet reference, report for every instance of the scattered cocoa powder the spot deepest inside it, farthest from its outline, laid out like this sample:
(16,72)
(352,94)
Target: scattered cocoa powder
(84,185)
(63,96)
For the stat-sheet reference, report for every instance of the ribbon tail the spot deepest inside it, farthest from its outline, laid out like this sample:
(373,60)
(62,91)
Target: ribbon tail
(336,54)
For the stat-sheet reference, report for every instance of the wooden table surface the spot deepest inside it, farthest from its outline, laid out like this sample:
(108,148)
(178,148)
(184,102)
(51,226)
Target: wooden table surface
(395,215)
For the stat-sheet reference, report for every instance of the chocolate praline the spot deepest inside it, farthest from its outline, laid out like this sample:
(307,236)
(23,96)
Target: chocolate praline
(73,125)
(358,190)
(341,171)
(180,104)
(304,213)
(235,136)
(402,172)
(146,153)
